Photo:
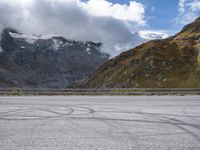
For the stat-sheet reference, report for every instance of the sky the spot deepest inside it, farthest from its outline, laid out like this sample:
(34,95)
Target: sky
(170,15)
(118,24)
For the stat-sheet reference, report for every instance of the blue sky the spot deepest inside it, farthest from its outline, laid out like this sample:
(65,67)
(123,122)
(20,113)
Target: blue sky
(164,14)
(161,13)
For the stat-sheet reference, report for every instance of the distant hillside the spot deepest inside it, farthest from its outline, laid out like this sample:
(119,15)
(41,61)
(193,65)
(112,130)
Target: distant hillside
(45,62)
(173,62)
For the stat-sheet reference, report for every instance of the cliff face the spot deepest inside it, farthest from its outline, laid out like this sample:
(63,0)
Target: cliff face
(46,62)
(173,62)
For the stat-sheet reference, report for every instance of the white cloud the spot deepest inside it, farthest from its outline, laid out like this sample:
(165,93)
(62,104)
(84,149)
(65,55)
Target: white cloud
(133,12)
(92,20)
(182,6)
(188,10)
(150,35)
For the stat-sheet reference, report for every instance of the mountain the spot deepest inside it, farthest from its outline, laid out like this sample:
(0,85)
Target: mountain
(173,62)
(45,62)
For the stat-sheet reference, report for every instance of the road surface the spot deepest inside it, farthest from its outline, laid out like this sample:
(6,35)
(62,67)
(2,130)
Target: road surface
(100,123)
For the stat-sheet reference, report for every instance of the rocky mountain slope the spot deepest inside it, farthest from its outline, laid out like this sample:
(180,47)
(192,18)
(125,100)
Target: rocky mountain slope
(45,62)
(173,62)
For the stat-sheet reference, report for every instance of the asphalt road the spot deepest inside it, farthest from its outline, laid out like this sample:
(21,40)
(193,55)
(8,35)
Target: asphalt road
(100,123)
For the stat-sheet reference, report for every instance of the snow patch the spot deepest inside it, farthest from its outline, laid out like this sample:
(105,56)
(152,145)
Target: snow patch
(88,49)
(28,38)
(31,39)
(89,45)
(68,44)
(45,37)
(56,44)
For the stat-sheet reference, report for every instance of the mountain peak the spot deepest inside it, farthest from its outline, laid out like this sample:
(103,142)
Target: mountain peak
(10,30)
(45,61)
(191,30)
(197,19)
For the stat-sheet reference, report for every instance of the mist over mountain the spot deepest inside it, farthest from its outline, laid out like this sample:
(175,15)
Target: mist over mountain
(77,20)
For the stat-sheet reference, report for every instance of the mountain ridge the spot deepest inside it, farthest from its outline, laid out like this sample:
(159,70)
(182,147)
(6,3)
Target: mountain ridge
(45,62)
(170,63)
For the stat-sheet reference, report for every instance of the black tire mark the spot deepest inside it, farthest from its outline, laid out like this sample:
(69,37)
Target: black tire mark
(70,111)
(133,112)
(191,117)
(13,111)
(179,124)
(89,110)
(116,126)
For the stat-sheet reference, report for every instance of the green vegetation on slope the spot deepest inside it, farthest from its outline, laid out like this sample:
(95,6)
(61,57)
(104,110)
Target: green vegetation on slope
(170,63)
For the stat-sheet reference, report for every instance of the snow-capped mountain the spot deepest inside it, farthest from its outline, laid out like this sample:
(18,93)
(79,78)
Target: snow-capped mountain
(45,61)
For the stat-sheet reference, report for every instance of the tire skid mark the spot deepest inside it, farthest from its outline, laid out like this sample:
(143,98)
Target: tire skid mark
(179,124)
(89,110)
(112,126)
(133,112)
(68,110)
(12,111)
(191,117)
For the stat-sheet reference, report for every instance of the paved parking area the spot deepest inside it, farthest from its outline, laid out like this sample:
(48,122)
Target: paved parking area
(100,123)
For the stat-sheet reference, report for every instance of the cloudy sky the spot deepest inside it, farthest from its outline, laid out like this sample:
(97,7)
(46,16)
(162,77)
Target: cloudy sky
(118,24)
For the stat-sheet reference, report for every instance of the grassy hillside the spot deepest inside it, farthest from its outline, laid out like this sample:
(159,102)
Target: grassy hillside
(173,62)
